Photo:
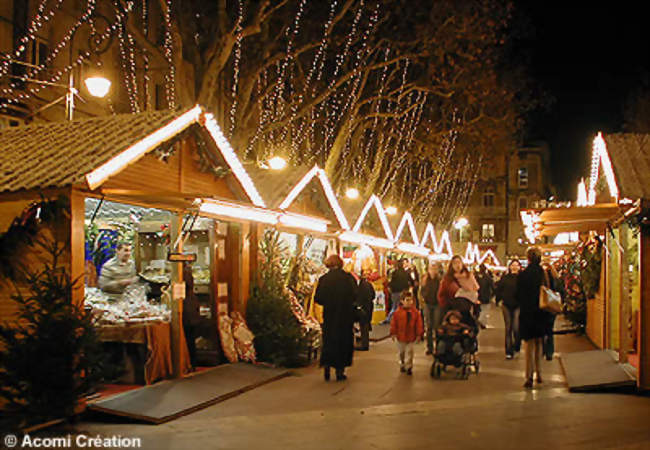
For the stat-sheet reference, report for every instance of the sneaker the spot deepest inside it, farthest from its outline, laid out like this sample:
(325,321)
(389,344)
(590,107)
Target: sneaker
(539,379)
(428,352)
(508,356)
(409,371)
(549,358)
(402,369)
(528,384)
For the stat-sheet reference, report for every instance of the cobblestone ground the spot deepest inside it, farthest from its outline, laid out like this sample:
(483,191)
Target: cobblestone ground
(379,407)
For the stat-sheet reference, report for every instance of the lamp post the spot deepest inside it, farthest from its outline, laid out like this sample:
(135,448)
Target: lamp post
(97,44)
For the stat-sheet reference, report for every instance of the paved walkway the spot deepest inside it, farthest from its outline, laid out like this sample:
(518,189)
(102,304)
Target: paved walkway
(380,408)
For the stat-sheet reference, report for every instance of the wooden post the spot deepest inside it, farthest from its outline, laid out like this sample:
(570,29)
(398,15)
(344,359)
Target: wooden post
(233,252)
(625,302)
(177,305)
(643,377)
(245,266)
(77,245)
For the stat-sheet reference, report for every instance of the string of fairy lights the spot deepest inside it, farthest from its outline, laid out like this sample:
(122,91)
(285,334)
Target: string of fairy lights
(352,91)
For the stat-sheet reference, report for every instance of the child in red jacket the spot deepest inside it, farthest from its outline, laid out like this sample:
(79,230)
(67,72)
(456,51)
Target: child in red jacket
(405,328)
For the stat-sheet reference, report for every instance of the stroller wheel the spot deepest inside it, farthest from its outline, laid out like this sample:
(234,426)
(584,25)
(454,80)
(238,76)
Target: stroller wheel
(435,369)
(477,365)
(465,372)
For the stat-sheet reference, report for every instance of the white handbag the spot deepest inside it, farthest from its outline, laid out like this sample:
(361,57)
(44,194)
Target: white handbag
(549,300)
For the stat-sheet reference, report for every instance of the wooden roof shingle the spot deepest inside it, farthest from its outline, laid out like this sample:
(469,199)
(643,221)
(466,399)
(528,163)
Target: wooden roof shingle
(59,154)
(630,157)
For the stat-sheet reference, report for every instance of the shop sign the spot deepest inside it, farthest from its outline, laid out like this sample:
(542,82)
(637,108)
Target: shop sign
(181,257)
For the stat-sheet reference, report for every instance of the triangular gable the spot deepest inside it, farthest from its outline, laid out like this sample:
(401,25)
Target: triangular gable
(374,201)
(473,255)
(600,158)
(407,219)
(442,247)
(317,172)
(166,132)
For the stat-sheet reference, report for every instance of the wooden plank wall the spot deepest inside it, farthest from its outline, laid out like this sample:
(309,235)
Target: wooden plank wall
(10,208)
(597,312)
(179,174)
(643,378)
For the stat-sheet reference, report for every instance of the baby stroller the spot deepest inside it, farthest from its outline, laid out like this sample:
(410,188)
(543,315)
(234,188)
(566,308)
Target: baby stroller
(460,350)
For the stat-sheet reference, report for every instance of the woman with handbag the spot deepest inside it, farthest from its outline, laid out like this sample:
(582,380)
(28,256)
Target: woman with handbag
(532,320)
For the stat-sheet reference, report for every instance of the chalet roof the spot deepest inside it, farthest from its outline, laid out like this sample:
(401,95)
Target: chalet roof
(58,154)
(275,185)
(630,157)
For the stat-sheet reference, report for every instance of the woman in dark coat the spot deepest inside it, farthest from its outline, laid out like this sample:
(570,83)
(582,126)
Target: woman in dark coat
(506,293)
(365,298)
(336,292)
(532,320)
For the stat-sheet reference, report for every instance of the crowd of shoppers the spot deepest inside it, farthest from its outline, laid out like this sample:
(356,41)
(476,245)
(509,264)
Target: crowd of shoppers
(418,305)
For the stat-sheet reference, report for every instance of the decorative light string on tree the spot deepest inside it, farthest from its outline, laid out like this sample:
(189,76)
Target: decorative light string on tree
(236,62)
(40,19)
(170,77)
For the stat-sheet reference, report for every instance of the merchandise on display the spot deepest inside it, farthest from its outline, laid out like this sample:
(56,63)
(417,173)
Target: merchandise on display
(132,307)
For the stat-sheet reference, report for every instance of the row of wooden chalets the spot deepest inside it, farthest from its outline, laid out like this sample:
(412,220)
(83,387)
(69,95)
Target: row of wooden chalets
(170,186)
(167,190)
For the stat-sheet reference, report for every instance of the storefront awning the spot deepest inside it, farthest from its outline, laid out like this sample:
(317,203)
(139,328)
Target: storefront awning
(552,221)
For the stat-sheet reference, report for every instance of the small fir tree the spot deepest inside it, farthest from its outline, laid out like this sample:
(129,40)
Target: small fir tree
(279,337)
(51,356)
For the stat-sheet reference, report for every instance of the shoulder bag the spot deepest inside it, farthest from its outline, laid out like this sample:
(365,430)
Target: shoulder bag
(549,300)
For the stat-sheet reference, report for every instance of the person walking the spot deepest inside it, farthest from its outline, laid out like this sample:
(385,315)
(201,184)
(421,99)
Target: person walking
(486,285)
(429,296)
(336,292)
(449,284)
(532,320)
(365,298)
(406,328)
(399,281)
(506,291)
(555,284)
(414,280)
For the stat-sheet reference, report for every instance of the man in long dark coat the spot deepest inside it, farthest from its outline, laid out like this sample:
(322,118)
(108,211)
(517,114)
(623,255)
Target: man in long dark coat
(336,292)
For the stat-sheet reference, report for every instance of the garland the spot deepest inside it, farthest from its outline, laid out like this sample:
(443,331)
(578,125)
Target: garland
(23,231)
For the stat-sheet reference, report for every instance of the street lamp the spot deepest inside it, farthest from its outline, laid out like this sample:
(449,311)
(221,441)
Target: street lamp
(277,163)
(352,193)
(461,223)
(98,86)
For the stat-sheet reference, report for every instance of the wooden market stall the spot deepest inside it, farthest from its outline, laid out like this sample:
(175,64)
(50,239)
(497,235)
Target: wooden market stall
(160,160)
(616,208)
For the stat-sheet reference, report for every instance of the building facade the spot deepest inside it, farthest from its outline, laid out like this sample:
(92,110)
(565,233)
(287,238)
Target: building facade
(37,45)
(507,184)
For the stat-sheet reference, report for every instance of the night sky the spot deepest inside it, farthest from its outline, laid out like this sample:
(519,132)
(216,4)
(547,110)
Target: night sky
(588,56)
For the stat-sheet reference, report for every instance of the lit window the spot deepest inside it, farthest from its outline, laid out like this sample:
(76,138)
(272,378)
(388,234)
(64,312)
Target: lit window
(523,177)
(488,197)
(487,231)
